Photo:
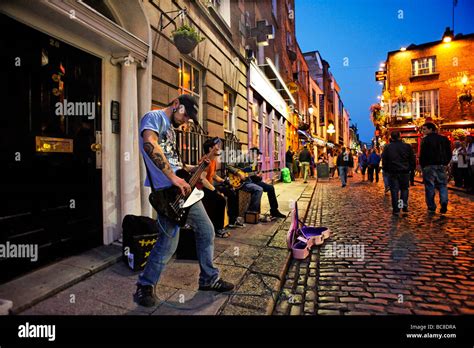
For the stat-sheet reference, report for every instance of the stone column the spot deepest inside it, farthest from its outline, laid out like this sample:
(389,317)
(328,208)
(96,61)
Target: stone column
(130,198)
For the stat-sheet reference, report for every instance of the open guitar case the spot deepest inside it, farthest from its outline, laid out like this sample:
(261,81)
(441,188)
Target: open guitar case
(301,238)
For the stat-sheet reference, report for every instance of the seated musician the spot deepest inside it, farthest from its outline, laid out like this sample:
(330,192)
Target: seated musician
(256,181)
(214,200)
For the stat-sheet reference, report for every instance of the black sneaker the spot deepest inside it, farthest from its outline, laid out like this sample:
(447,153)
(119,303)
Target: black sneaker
(444,209)
(431,211)
(277,214)
(145,295)
(219,286)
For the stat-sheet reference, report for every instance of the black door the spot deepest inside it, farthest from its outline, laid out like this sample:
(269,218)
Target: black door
(51,191)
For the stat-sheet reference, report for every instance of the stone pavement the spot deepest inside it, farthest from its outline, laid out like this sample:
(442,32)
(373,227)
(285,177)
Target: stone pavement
(254,258)
(412,264)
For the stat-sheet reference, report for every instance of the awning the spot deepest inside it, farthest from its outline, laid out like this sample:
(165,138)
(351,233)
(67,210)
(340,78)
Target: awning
(460,124)
(303,134)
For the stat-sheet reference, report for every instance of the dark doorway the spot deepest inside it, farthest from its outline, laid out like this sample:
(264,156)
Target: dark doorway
(51,190)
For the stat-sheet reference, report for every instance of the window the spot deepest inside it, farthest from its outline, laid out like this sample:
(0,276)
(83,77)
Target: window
(426,103)
(228,111)
(189,81)
(256,125)
(423,66)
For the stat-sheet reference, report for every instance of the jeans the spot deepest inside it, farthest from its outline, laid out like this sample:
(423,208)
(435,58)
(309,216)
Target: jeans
(272,199)
(305,169)
(399,183)
(435,177)
(232,202)
(373,168)
(167,242)
(256,192)
(342,174)
(386,182)
(289,165)
(214,204)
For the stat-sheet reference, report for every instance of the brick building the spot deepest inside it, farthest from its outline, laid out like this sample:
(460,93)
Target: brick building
(429,81)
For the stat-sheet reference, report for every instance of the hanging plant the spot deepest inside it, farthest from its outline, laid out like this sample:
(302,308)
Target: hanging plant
(460,134)
(465,97)
(186,38)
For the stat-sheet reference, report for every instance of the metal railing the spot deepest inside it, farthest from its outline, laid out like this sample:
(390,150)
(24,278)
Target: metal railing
(190,146)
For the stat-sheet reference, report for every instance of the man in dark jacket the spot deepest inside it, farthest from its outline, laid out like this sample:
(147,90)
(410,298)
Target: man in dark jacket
(343,161)
(435,154)
(289,162)
(398,158)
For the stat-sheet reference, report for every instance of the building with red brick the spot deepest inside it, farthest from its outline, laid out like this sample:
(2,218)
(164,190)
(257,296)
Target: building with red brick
(428,82)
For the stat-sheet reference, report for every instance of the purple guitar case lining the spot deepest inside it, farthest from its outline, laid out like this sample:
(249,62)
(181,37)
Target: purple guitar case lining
(302,238)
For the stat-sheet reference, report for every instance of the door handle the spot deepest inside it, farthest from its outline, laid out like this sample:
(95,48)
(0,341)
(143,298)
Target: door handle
(96,147)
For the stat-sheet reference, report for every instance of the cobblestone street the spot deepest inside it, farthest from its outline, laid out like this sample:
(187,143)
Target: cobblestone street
(412,264)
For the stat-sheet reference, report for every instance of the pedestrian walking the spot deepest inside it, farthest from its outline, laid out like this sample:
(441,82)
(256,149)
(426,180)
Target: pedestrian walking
(363,163)
(386,182)
(312,165)
(332,165)
(459,164)
(374,166)
(398,158)
(289,162)
(470,160)
(305,159)
(350,172)
(435,155)
(343,161)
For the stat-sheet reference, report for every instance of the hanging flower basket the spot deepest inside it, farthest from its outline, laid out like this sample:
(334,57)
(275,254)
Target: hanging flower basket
(465,98)
(459,134)
(186,38)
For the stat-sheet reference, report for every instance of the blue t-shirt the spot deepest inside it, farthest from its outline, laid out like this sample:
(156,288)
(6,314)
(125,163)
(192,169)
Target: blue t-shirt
(158,122)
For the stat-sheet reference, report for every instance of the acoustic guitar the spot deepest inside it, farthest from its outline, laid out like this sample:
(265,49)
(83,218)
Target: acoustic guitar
(236,181)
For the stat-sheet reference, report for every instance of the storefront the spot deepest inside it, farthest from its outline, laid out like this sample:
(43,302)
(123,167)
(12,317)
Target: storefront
(76,81)
(267,121)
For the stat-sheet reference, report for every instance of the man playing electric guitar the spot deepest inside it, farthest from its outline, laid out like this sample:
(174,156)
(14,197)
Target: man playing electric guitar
(158,147)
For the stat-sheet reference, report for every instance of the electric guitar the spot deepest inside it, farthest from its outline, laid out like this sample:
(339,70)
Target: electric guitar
(171,203)
(236,181)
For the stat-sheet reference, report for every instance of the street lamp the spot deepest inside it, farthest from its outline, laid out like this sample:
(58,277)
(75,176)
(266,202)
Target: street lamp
(448,35)
(331,129)
(403,49)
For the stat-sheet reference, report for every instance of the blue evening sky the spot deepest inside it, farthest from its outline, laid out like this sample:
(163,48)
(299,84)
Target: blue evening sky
(364,31)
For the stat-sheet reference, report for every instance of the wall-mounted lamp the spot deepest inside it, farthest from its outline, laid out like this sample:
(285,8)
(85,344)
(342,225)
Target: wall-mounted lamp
(448,35)
(331,129)
(310,109)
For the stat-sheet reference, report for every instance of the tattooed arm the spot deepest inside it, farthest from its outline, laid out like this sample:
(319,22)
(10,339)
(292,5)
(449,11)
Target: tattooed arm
(155,152)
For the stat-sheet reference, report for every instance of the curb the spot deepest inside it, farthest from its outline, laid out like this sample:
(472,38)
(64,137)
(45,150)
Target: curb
(111,261)
(271,305)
